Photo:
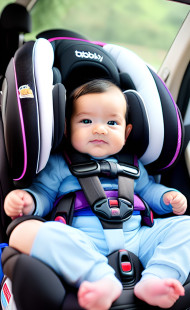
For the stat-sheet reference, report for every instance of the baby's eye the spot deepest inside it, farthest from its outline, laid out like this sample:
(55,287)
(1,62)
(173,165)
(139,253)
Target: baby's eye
(86,121)
(112,123)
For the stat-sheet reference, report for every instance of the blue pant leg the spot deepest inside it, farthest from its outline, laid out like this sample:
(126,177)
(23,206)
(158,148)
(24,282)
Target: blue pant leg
(71,253)
(165,248)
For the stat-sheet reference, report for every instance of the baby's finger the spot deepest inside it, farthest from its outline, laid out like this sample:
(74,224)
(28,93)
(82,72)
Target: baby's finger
(167,198)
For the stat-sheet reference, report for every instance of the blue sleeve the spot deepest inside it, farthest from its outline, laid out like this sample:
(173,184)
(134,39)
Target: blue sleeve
(152,192)
(46,185)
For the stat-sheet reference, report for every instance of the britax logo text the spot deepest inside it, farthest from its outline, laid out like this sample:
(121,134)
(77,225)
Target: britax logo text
(88,55)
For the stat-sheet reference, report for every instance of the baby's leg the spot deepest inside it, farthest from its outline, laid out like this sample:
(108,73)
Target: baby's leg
(99,295)
(24,234)
(73,256)
(159,292)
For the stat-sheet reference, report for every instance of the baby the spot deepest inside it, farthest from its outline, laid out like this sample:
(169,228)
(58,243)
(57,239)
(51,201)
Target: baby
(98,128)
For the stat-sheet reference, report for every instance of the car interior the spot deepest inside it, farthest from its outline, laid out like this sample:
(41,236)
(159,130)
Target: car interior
(20,274)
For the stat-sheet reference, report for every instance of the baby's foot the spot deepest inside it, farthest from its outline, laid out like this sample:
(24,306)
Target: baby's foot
(98,295)
(159,292)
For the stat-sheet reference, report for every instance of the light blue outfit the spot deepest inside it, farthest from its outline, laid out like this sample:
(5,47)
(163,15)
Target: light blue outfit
(79,252)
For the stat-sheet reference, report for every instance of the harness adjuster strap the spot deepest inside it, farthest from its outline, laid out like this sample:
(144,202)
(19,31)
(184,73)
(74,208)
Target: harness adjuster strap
(113,210)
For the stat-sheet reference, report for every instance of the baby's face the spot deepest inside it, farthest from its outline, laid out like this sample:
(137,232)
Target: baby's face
(98,125)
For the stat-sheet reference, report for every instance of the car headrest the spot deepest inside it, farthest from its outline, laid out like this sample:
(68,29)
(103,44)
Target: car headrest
(15,17)
(81,62)
(14,20)
(33,108)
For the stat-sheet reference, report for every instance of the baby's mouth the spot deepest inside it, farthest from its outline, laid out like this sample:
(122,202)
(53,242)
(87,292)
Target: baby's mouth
(98,141)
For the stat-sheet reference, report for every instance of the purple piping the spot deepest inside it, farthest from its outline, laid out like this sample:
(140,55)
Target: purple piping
(179,128)
(76,39)
(22,126)
(138,204)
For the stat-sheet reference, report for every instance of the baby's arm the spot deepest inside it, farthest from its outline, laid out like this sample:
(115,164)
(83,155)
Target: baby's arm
(19,202)
(177,201)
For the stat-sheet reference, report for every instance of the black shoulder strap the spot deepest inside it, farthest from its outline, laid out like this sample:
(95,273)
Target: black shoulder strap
(126,183)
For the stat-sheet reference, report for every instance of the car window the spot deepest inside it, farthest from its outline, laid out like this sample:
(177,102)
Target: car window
(147,27)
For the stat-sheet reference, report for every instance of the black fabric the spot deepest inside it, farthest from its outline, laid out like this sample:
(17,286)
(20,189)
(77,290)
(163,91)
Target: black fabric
(80,61)
(138,139)
(36,286)
(56,33)
(9,259)
(126,82)
(170,136)
(5,185)
(126,188)
(18,74)
(59,98)
(178,176)
(73,156)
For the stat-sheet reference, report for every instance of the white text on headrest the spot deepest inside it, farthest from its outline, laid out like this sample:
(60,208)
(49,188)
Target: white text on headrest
(88,55)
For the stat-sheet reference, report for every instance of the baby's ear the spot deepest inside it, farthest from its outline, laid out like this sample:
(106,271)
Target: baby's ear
(128,131)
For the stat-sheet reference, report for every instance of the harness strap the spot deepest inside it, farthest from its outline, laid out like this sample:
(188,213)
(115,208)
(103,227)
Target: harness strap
(64,208)
(92,189)
(111,212)
(126,188)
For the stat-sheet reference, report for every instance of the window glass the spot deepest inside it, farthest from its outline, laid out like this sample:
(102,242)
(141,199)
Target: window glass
(3,3)
(147,27)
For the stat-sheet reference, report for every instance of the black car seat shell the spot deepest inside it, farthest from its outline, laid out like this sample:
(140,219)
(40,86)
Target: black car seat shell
(33,91)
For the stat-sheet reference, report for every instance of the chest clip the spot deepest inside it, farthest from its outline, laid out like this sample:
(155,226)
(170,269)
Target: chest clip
(114,210)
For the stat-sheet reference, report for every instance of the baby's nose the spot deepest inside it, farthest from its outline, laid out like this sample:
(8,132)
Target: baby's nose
(99,129)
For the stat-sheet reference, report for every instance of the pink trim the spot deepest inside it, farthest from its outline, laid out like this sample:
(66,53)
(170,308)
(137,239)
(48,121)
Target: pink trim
(76,39)
(22,126)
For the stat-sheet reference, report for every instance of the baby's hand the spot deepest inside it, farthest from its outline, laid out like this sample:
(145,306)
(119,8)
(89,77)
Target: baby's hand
(177,200)
(18,202)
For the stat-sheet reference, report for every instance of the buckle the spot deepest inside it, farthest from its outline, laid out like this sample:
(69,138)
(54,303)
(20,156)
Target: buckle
(126,268)
(113,210)
(128,170)
(85,169)
(104,168)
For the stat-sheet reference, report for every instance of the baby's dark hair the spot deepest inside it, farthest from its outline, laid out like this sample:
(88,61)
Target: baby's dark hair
(91,87)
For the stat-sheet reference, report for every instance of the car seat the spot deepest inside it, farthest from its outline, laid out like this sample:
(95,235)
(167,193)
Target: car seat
(33,126)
